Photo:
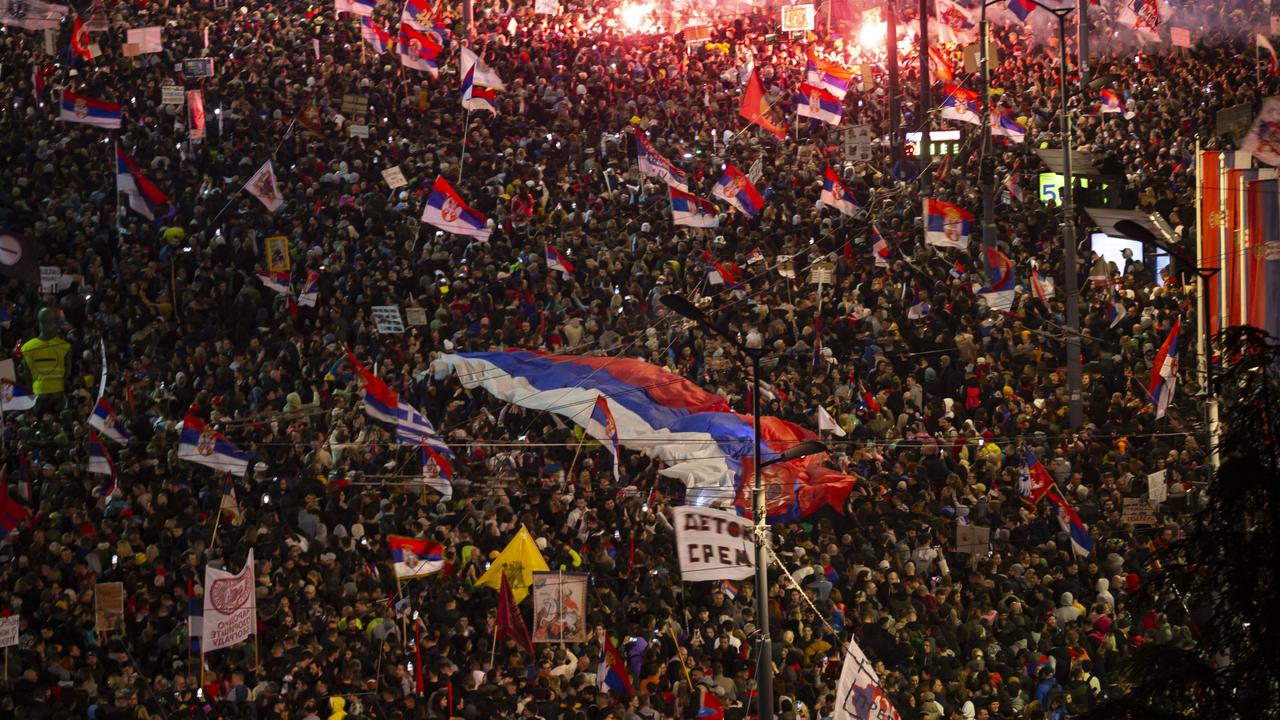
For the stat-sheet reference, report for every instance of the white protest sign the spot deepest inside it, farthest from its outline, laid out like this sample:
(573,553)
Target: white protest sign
(8,631)
(713,544)
(147,39)
(388,319)
(360,131)
(546,7)
(797,18)
(1157,488)
(173,95)
(230,606)
(394,177)
(52,280)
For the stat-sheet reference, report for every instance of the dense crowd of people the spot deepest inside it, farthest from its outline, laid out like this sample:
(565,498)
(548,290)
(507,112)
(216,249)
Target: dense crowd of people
(938,412)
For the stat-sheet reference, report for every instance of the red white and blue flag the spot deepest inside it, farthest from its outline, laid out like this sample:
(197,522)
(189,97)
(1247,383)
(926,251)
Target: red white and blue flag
(1164,373)
(692,211)
(413,557)
(105,421)
(201,444)
(363,8)
(835,194)
(420,49)
(602,427)
(277,280)
(480,84)
(736,189)
(999,293)
(612,673)
(446,210)
(144,197)
(437,472)
(879,248)
(815,102)
(830,76)
(1036,480)
(1115,309)
(947,225)
(961,105)
(13,515)
(100,464)
(98,113)
(1022,8)
(655,166)
(374,34)
(725,274)
(1041,286)
(310,290)
(15,398)
(1111,102)
(556,261)
(1081,541)
(1004,124)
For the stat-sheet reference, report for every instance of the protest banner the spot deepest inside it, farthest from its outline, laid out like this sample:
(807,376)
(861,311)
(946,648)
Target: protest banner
(230,606)
(559,607)
(713,544)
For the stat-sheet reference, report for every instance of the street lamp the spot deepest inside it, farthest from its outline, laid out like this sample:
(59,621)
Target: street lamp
(1075,402)
(764,668)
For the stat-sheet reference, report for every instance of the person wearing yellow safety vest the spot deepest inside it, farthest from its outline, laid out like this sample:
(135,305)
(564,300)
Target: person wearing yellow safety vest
(45,357)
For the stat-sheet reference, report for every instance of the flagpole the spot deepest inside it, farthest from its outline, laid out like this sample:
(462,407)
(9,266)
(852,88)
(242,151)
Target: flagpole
(683,666)
(217,521)
(462,157)
(493,646)
(115,152)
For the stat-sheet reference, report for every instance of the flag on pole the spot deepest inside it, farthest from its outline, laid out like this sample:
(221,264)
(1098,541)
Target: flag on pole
(420,49)
(879,248)
(277,280)
(364,8)
(446,210)
(961,105)
(602,427)
(1035,480)
(230,606)
(100,464)
(1115,309)
(737,190)
(517,562)
(1041,287)
(612,675)
(556,261)
(15,398)
(858,692)
(37,81)
(755,108)
(655,166)
(374,34)
(480,84)
(412,557)
(999,293)
(201,444)
(227,504)
(310,290)
(828,423)
(830,76)
(814,102)
(955,23)
(264,187)
(1111,102)
(437,472)
(80,40)
(510,623)
(1004,124)
(1081,541)
(144,197)
(1164,373)
(104,420)
(941,65)
(835,195)
(691,210)
(86,110)
(947,225)
(1022,8)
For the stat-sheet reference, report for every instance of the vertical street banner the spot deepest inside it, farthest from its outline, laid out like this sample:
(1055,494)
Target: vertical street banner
(713,544)
(858,694)
(559,607)
(230,606)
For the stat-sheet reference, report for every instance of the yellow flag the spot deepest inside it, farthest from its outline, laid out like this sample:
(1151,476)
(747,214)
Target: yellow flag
(519,560)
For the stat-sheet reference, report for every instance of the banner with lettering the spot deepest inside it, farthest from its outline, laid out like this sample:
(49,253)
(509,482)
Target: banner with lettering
(230,606)
(713,544)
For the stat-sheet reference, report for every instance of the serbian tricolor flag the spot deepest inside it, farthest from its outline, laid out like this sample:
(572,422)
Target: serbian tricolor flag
(835,194)
(446,210)
(104,420)
(100,464)
(830,76)
(725,274)
(419,49)
(755,108)
(814,102)
(98,113)
(999,293)
(1041,287)
(437,472)
(654,165)
(144,197)
(961,105)
(1004,124)
(1036,480)
(736,189)
(374,34)
(612,674)
(1021,8)
(277,280)
(1115,309)
(941,66)
(692,211)
(602,427)
(947,225)
(310,290)
(879,248)
(363,8)
(37,81)
(412,557)
(1081,541)
(201,444)
(556,261)
(1164,373)
(480,84)
(1111,102)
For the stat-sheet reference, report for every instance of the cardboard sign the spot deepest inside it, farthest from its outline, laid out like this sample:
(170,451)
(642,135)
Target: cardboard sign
(8,631)
(822,273)
(696,34)
(360,131)
(857,143)
(355,106)
(559,607)
(1157,488)
(52,280)
(797,18)
(1180,37)
(197,67)
(108,605)
(786,268)
(388,319)
(394,177)
(868,78)
(173,95)
(713,544)
(973,539)
(415,316)
(1137,512)
(148,39)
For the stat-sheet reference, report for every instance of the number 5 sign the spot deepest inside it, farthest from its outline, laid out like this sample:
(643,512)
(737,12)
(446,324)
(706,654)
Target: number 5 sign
(797,18)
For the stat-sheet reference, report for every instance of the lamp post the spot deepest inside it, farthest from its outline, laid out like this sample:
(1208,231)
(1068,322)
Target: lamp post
(1075,392)
(764,666)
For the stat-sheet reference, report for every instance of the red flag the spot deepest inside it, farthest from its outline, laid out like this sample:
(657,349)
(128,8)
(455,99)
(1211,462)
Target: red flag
(374,384)
(419,684)
(37,80)
(941,67)
(756,109)
(80,40)
(510,621)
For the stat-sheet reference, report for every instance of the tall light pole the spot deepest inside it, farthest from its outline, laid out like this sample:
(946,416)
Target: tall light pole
(764,661)
(1075,388)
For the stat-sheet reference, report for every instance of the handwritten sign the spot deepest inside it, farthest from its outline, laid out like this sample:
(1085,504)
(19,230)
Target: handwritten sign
(973,539)
(173,95)
(8,631)
(416,316)
(1157,488)
(394,177)
(360,131)
(1137,512)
